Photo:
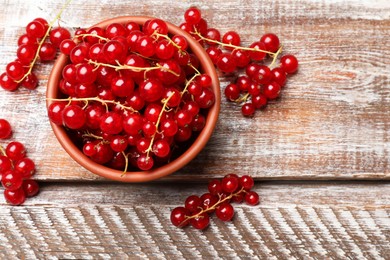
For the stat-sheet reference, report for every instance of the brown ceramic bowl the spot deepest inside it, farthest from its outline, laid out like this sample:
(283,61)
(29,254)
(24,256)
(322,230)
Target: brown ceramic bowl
(155,173)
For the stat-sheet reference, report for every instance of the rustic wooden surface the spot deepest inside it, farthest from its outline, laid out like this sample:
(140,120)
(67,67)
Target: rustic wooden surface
(325,145)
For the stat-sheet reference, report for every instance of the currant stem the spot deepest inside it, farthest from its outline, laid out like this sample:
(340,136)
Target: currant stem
(231,45)
(88,134)
(92,35)
(271,66)
(2,150)
(126,163)
(242,99)
(189,82)
(169,39)
(165,103)
(212,208)
(102,101)
(31,66)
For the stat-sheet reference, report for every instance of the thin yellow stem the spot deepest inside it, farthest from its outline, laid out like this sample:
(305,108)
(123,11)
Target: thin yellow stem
(126,164)
(92,35)
(275,57)
(188,83)
(242,99)
(31,66)
(2,150)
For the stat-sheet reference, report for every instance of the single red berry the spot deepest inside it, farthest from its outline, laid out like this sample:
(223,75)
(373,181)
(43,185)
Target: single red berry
(47,51)
(25,39)
(193,203)
(30,81)
(272,90)
(242,58)
(119,143)
(145,162)
(55,112)
(161,148)
(215,187)
(111,123)
(15,70)
(263,75)
(5,164)
(151,90)
(66,46)
(7,83)
(103,153)
(206,99)
(208,200)
(229,184)
(73,117)
(11,180)
(57,35)
(226,63)
(201,221)
(246,182)
(258,53)
(16,197)
(5,129)
(30,187)
(252,198)
(279,76)
(26,53)
(132,124)
(179,217)
(192,15)
(289,63)
(271,42)
(214,52)
(116,29)
(198,123)
(225,212)
(248,109)
(214,35)
(89,149)
(15,151)
(232,38)
(35,29)
(259,101)
(26,167)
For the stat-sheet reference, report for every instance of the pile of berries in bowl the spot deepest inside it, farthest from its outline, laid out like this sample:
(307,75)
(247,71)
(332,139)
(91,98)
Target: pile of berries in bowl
(133,98)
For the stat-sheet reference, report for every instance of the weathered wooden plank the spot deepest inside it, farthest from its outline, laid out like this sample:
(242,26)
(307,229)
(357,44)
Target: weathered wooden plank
(294,221)
(331,123)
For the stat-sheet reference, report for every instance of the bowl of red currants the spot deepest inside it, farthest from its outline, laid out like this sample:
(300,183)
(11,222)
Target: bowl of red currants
(133,99)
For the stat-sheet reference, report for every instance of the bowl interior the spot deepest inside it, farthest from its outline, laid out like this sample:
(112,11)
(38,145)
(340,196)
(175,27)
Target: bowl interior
(140,176)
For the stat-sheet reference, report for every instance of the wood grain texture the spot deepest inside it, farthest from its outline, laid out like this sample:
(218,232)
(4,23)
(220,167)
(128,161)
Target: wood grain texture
(304,220)
(332,121)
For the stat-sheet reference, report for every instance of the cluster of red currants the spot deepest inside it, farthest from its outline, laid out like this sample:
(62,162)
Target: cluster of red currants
(197,210)
(133,93)
(260,82)
(16,169)
(32,46)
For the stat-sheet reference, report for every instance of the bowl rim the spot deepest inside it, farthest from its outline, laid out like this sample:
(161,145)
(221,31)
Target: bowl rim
(156,173)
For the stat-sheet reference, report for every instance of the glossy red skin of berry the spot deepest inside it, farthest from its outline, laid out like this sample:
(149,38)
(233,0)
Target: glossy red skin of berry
(145,163)
(192,107)
(43,21)
(198,123)
(66,46)
(103,153)
(179,217)
(214,35)
(5,129)
(215,187)
(225,212)
(15,151)
(156,25)
(271,90)
(248,109)
(183,118)
(11,180)
(229,184)
(226,63)
(257,55)
(252,198)
(132,124)
(174,97)
(206,99)
(97,31)
(152,112)
(26,53)
(263,75)
(181,41)
(246,182)
(232,38)
(161,148)
(25,39)
(168,127)
(289,63)
(55,112)
(35,29)
(201,222)
(279,76)
(118,143)
(57,35)
(30,187)
(145,46)
(214,53)
(259,101)
(26,167)
(79,54)
(115,30)
(164,50)
(208,200)
(192,15)
(242,58)
(271,42)
(151,90)
(7,83)
(89,149)
(30,81)
(85,73)
(73,117)
(183,134)
(192,203)
(254,89)
(122,86)
(16,197)
(114,52)
(47,52)
(15,70)
(111,123)
(5,164)
(232,92)
(165,74)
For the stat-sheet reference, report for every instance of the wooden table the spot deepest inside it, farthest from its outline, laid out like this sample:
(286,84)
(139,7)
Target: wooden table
(320,154)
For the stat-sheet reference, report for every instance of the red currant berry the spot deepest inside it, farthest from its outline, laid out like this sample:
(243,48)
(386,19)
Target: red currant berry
(79,54)
(26,167)
(161,148)
(11,180)
(279,76)
(114,52)
(242,58)
(132,26)
(289,63)
(246,182)
(15,151)
(145,46)
(57,35)
(183,134)
(26,53)
(145,162)
(103,153)
(206,99)
(232,38)
(66,46)
(208,201)
(252,198)
(259,101)
(5,164)
(15,70)
(192,203)
(30,81)
(25,39)
(47,52)
(73,117)
(214,35)
(85,73)
(258,54)
(192,107)
(7,83)
(201,221)
(232,92)
(116,29)
(111,123)
(35,29)
(55,112)
(229,184)
(271,90)
(271,42)
(118,143)
(215,187)
(198,123)
(214,53)
(263,75)
(225,212)
(151,90)
(192,15)
(248,109)
(181,41)
(226,63)
(168,127)
(132,124)
(89,149)
(179,217)
(16,197)
(5,129)
(30,187)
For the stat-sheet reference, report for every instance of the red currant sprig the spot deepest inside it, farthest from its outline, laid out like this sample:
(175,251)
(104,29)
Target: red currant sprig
(197,210)
(16,169)
(33,46)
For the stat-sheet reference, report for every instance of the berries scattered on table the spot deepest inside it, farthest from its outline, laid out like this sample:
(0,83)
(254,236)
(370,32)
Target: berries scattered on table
(16,171)
(135,95)
(260,78)
(222,193)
